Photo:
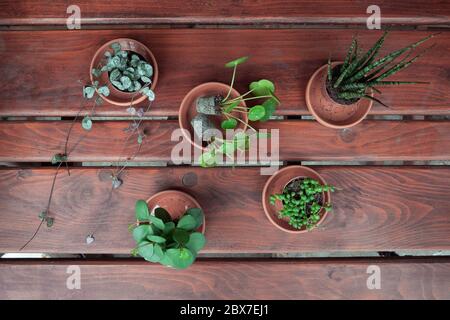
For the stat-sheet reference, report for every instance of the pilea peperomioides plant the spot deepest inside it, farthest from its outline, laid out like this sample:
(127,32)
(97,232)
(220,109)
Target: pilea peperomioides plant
(302,201)
(162,240)
(350,81)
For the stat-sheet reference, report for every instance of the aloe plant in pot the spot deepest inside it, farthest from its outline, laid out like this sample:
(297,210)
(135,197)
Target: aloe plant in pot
(340,94)
(217,106)
(169,229)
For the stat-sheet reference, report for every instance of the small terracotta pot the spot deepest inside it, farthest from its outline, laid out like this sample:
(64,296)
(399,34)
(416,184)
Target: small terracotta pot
(176,203)
(188,109)
(329,112)
(276,185)
(116,96)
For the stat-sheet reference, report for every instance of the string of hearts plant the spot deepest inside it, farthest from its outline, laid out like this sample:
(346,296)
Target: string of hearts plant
(261,90)
(126,73)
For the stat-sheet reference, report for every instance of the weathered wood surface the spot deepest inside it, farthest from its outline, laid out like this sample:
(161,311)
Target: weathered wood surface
(378,209)
(372,140)
(222,279)
(400,12)
(42,69)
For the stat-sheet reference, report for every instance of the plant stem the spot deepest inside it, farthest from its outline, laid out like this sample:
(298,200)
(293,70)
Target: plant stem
(241,96)
(232,83)
(47,208)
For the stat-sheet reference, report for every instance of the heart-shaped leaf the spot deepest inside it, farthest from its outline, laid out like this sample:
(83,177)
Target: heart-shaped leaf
(256,113)
(236,62)
(181,236)
(158,223)
(145,250)
(180,258)
(198,216)
(229,124)
(169,227)
(196,242)
(142,213)
(88,92)
(141,232)
(86,123)
(187,222)
(156,239)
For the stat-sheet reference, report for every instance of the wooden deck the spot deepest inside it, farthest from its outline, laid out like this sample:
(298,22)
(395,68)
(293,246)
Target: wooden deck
(380,208)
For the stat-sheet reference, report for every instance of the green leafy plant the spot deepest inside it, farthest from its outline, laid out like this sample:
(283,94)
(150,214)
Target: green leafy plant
(163,240)
(262,91)
(351,81)
(302,201)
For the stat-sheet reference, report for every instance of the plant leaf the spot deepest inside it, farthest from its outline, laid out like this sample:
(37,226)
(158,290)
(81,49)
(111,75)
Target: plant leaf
(86,123)
(187,222)
(262,87)
(142,213)
(256,113)
(158,223)
(181,236)
(236,62)
(162,214)
(88,92)
(156,239)
(196,242)
(145,250)
(198,215)
(229,124)
(180,258)
(141,232)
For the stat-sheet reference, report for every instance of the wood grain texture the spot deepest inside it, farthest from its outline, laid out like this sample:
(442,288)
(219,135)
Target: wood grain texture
(400,12)
(43,67)
(378,209)
(222,279)
(298,140)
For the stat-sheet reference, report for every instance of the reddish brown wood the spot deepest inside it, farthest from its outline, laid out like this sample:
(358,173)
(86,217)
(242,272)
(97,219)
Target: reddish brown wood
(42,68)
(413,12)
(225,279)
(298,140)
(378,209)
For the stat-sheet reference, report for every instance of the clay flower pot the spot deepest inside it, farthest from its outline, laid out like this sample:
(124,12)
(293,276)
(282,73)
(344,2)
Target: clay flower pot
(188,109)
(116,96)
(175,203)
(276,185)
(329,112)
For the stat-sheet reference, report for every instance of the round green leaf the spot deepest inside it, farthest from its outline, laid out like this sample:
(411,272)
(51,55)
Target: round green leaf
(270,105)
(86,123)
(141,232)
(236,62)
(196,242)
(156,239)
(181,236)
(114,75)
(162,214)
(145,250)
(262,87)
(197,214)
(158,223)
(187,222)
(148,69)
(229,124)
(146,79)
(141,209)
(256,113)
(180,258)
(126,82)
(158,253)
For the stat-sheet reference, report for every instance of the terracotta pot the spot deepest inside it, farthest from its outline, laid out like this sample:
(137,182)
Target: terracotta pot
(116,96)
(329,112)
(276,185)
(188,109)
(176,203)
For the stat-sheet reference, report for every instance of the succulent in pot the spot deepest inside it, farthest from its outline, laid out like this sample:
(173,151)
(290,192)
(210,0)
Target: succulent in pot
(123,72)
(297,199)
(217,106)
(171,237)
(340,94)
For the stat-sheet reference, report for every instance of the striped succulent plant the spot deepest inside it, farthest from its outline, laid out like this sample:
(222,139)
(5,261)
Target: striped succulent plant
(351,81)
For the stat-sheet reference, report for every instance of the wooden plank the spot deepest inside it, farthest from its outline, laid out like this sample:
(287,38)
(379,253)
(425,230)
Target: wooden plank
(45,12)
(369,141)
(43,69)
(378,209)
(227,279)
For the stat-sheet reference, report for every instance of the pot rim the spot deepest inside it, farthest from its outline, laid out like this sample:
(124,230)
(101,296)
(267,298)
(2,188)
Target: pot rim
(312,109)
(180,194)
(141,97)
